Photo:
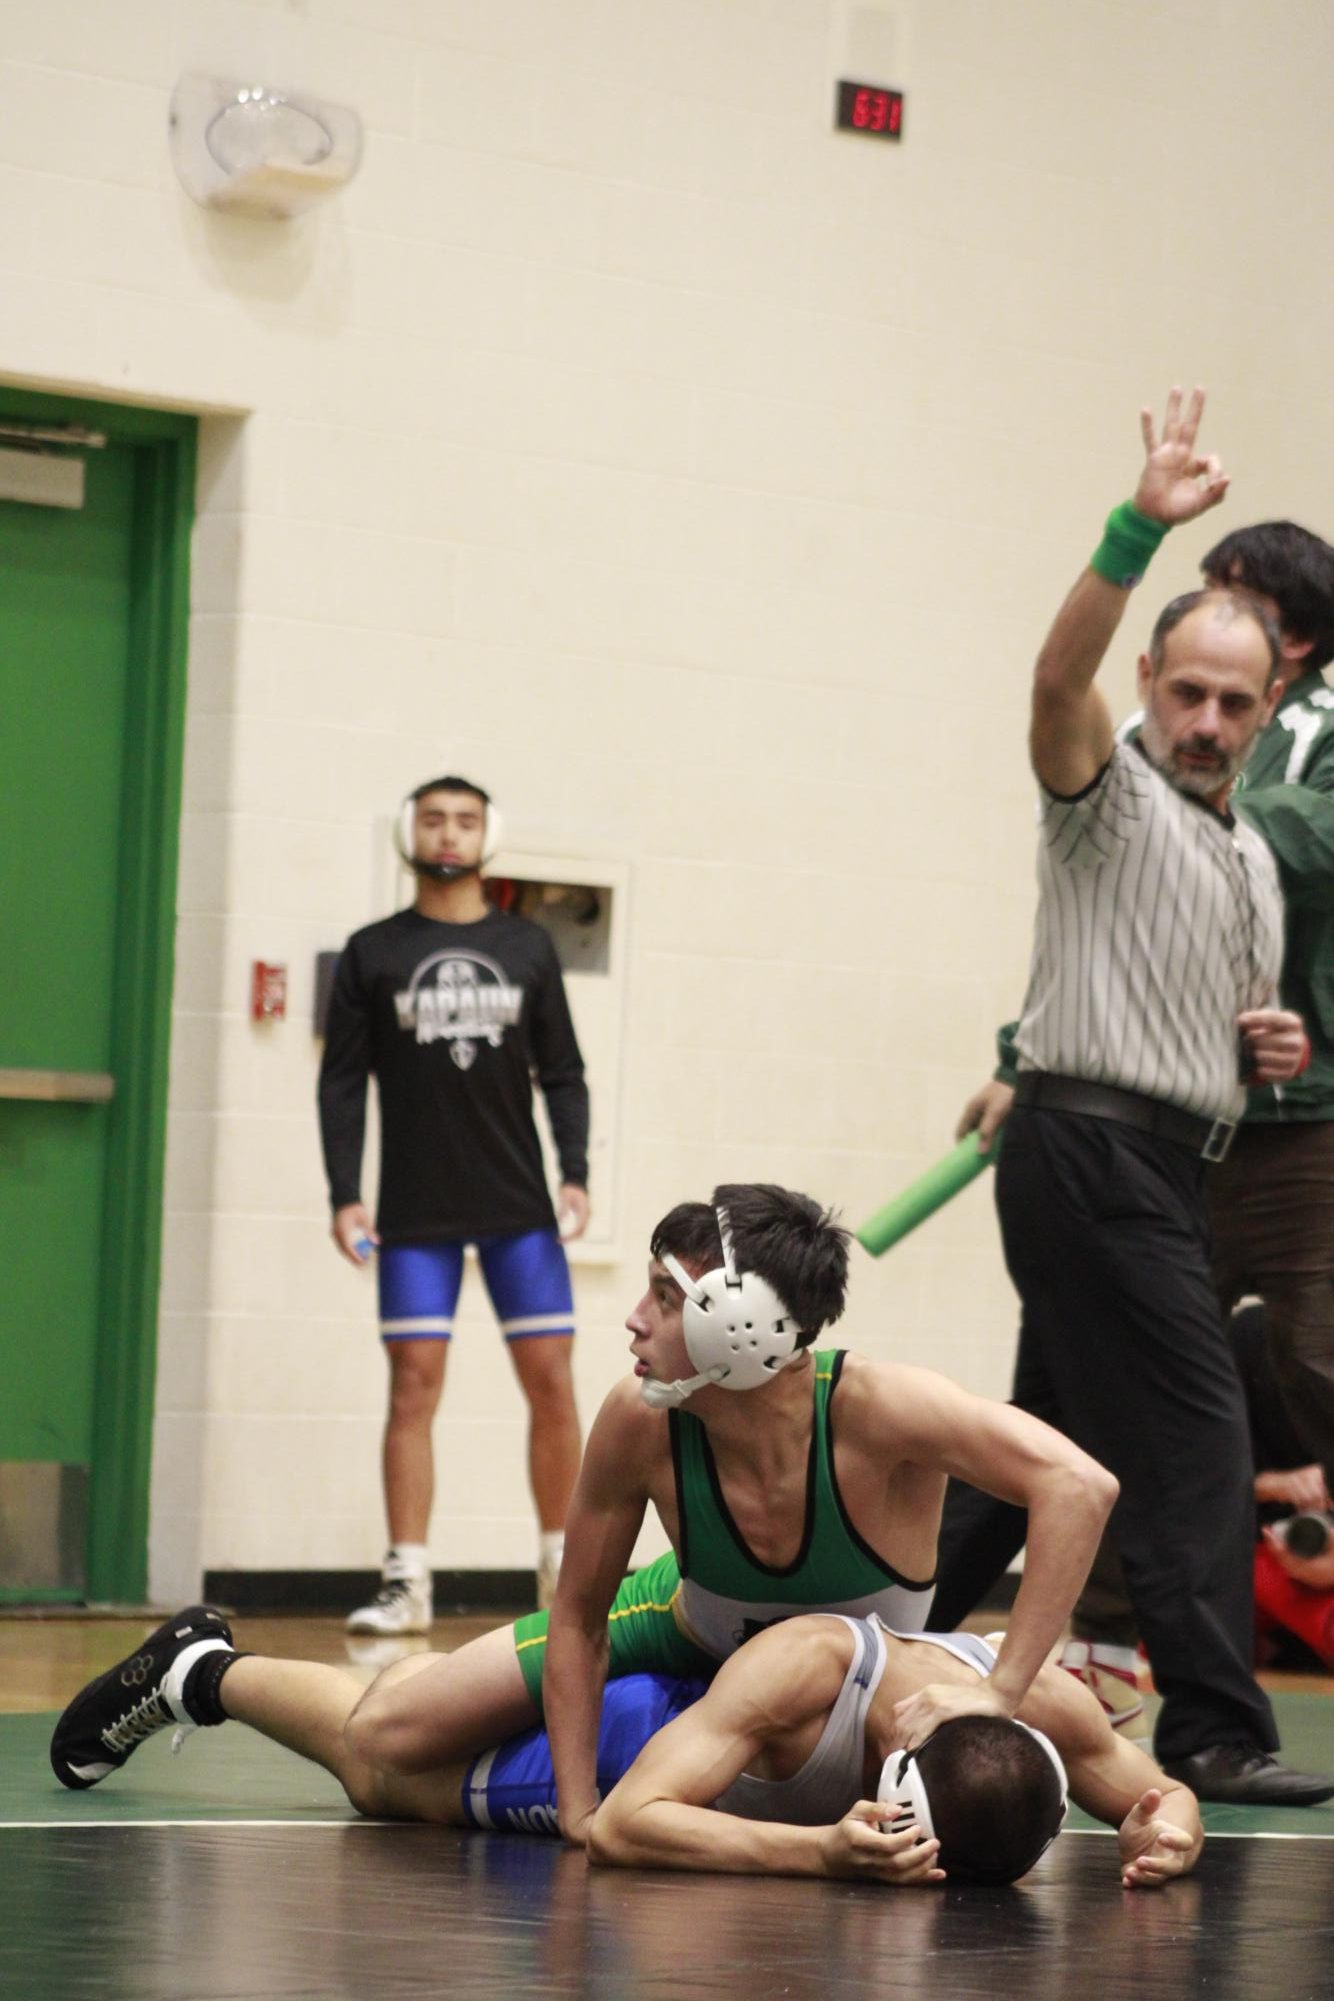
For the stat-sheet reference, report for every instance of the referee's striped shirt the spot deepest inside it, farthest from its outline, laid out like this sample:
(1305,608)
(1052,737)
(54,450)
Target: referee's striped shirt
(1159,921)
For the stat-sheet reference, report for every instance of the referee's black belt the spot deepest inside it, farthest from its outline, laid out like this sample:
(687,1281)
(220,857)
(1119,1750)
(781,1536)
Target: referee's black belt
(1209,1137)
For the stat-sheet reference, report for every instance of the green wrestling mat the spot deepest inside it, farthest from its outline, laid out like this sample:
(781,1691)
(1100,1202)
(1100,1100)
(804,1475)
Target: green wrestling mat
(231,1775)
(228,1774)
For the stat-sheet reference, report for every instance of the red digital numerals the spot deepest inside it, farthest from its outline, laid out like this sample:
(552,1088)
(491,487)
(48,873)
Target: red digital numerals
(862,107)
(876,111)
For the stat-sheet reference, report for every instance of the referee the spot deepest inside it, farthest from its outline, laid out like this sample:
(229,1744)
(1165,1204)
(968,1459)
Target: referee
(1155,963)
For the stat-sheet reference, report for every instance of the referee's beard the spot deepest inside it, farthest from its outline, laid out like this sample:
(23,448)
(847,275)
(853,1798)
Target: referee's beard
(1201,781)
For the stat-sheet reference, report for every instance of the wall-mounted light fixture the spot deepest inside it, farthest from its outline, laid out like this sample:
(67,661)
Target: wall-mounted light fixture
(253,150)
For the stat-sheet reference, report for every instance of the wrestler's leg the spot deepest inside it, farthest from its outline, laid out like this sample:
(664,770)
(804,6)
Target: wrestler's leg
(436,1709)
(306,1707)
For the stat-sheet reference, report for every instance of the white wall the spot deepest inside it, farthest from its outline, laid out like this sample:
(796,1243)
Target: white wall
(702,481)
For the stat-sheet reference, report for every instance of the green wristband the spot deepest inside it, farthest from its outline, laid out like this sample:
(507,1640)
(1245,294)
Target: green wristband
(1128,543)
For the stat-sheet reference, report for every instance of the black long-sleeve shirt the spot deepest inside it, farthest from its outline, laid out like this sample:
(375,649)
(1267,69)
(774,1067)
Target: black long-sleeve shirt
(453,1020)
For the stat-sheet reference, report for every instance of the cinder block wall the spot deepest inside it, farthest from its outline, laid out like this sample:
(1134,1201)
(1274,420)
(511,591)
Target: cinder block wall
(702,481)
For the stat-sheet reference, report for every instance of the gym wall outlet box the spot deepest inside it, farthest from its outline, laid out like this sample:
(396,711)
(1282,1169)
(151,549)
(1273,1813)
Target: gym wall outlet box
(576,916)
(268,992)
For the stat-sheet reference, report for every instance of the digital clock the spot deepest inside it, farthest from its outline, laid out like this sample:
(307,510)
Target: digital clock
(864,107)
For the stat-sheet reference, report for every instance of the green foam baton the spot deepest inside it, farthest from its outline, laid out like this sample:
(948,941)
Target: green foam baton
(921,1198)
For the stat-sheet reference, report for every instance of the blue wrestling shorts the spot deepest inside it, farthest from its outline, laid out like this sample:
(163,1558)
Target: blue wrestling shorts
(527,1278)
(513,1786)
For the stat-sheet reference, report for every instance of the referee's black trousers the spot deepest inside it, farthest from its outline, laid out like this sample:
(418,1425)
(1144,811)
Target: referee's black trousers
(1107,1240)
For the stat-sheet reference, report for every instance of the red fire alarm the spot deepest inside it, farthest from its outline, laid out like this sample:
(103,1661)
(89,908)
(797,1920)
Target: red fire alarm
(268,992)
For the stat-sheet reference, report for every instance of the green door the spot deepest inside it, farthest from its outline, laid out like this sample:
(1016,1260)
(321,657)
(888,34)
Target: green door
(76,691)
(65,622)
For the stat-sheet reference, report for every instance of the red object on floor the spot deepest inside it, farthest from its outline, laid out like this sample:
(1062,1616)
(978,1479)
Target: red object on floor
(1280,1601)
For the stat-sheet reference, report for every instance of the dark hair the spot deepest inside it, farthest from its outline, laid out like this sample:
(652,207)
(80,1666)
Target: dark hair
(1290,565)
(1230,603)
(995,1798)
(785,1237)
(450,785)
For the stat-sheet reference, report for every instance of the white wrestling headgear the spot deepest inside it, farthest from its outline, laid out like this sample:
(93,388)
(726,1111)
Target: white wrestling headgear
(493,830)
(902,1785)
(738,1332)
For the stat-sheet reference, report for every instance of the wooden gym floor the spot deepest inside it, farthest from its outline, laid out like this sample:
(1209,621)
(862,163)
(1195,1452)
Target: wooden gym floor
(236,1870)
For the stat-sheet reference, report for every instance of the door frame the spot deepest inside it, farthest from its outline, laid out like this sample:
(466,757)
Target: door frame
(164,446)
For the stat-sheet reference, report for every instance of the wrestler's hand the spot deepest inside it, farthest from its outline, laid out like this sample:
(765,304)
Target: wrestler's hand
(1275,1043)
(986,1112)
(861,1845)
(919,1716)
(1153,1850)
(1177,483)
(572,1209)
(352,1224)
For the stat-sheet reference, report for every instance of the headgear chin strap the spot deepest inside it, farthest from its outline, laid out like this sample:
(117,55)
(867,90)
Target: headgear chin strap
(738,1332)
(902,1785)
(493,831)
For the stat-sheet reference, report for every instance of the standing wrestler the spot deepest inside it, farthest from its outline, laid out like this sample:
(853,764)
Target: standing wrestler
(453,1006)
(1150,999)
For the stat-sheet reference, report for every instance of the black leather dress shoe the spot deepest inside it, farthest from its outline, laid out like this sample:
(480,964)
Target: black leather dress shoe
(1243,1775)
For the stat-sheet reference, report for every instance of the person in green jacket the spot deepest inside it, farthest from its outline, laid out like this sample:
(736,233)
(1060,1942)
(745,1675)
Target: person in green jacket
(1272,1199)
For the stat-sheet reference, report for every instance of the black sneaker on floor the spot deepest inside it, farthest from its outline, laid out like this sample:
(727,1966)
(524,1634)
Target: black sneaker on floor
(1244,1775)
(113,1715)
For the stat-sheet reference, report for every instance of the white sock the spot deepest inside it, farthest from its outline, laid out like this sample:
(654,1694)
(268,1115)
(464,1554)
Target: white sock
(1126,1658)
(408,1559)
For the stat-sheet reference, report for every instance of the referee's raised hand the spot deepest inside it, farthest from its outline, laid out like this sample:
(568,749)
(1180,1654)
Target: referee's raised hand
(1178,482)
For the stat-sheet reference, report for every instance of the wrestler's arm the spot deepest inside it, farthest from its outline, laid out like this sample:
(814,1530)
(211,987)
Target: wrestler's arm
(1005,1452)
(606,1511)
(1157,1819)
(660,1815)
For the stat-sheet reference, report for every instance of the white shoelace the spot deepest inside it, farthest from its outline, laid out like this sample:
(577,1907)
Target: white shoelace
(147,1716)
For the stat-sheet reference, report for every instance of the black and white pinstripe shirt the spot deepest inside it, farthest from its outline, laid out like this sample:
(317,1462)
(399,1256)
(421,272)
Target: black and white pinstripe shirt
(1159,921)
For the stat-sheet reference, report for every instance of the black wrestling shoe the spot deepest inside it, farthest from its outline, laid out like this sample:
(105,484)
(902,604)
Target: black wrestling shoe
(112,1716)
(1244,1775)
